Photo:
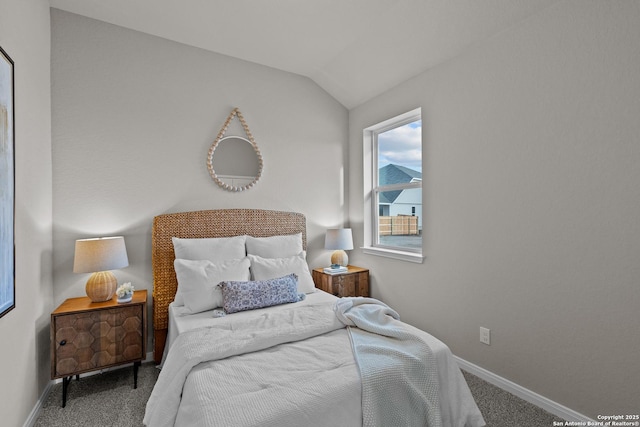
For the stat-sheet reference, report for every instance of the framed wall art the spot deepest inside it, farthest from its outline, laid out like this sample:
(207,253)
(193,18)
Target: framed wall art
(7,186)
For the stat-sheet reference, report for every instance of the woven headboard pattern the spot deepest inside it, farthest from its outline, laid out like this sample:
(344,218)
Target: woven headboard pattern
(208,223)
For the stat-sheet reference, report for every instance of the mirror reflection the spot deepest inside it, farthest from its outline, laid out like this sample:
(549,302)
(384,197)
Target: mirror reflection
(235,163)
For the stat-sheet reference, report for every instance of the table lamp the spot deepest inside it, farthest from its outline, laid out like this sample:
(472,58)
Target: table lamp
(339,239)
(98,256)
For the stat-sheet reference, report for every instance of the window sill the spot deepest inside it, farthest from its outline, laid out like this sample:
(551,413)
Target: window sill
(395,254)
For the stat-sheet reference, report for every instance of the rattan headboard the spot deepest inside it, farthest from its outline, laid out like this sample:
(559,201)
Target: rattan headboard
(200,224)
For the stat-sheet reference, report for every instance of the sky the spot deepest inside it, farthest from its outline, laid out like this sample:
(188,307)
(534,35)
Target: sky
(401,146)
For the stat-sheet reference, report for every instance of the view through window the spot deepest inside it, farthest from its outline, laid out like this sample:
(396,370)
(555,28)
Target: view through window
(398,185)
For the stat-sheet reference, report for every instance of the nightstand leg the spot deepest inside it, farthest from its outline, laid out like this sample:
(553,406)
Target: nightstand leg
(135,374)
(65,386)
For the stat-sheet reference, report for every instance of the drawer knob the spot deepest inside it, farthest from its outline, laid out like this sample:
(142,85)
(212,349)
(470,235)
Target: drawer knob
(63,342)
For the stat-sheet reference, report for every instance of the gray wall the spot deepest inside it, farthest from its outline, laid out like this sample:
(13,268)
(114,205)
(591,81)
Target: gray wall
(531,204)
(133,119)
(24,331)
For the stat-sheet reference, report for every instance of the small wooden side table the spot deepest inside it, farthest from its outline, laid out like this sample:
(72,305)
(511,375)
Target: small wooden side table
(88,336)
(353,283)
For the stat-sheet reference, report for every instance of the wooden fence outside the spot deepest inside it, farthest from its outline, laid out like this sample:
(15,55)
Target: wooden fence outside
(401,225)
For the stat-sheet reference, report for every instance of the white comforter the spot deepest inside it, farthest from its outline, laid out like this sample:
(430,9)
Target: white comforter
(305,375)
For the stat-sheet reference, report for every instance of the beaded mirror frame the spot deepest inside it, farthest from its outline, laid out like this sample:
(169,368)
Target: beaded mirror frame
(221,136)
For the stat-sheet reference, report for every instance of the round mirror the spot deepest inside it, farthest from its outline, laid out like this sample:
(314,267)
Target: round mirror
(234,163)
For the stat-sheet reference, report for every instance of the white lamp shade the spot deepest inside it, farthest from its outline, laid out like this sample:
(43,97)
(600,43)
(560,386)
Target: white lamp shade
(338,238)
(100,254)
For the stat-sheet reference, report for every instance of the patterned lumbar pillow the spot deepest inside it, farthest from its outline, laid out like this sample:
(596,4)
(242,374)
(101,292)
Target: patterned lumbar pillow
(250,295)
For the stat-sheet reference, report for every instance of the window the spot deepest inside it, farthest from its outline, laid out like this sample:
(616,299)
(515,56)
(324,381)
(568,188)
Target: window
(393,161)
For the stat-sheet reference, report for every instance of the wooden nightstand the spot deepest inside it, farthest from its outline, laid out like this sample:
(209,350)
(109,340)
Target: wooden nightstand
(88,336)
(353,283)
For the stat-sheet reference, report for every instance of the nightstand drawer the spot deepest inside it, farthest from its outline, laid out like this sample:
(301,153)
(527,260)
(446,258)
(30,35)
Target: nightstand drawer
(353,283)
(91,340)
(344,285)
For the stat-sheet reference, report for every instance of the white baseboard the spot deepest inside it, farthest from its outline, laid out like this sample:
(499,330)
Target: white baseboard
(523,393)
(35,412)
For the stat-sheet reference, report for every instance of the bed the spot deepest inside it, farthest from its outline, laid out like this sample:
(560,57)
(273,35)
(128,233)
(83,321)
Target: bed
(312,361)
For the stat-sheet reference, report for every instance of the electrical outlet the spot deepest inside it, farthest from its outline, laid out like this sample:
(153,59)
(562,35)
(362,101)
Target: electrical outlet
(485,335)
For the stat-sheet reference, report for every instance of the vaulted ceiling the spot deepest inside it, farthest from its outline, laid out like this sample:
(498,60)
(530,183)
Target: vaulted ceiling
(354,49)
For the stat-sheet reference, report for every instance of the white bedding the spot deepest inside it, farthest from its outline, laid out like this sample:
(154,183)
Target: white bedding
(181,321)
(311,382)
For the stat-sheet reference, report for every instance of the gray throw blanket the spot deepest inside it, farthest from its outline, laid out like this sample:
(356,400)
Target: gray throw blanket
(398,373)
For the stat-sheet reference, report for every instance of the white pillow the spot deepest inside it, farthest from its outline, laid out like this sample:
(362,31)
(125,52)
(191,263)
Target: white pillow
(212,249)
(275,246)
(271,268)
(198,280)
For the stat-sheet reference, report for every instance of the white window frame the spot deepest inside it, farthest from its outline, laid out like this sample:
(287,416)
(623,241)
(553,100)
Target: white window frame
(372,190)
